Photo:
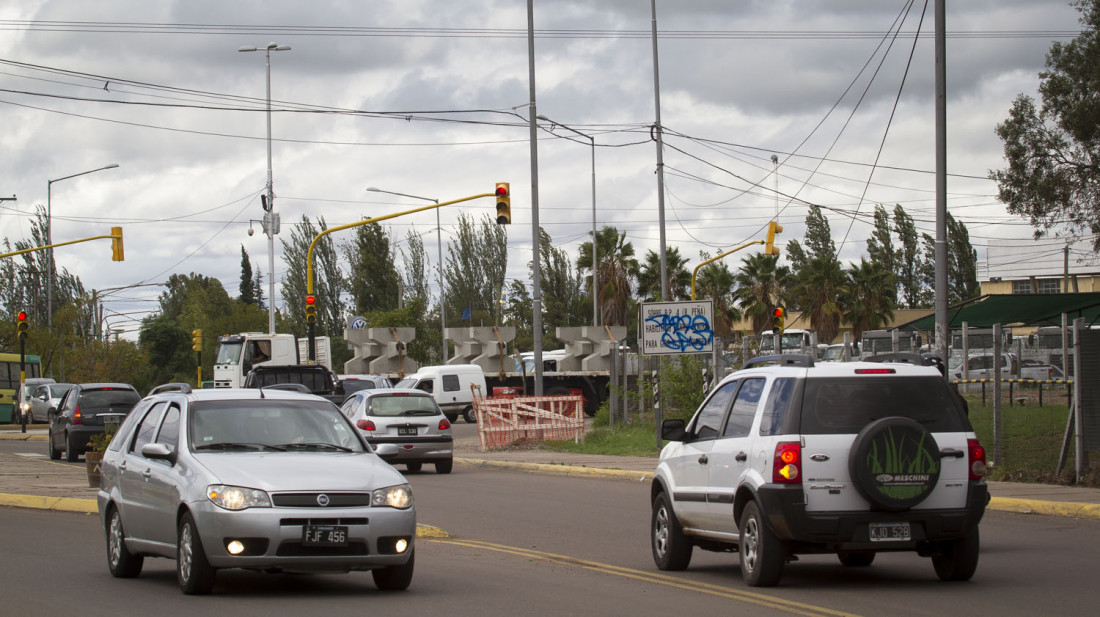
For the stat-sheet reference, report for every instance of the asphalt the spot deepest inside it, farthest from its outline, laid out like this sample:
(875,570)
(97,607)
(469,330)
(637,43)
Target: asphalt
(32,481)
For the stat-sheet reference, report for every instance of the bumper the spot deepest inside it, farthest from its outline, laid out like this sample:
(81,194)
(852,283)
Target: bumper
(79,434)
(786,514)
(273,537)
(417,450)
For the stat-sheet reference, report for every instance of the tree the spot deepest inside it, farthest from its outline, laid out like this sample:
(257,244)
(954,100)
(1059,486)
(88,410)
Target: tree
(910,263)
(1052,150)
(477,263)
(618,269)
(247,290)
(375,284)
(868,298)
(761,285)
(880,244)
(962,278)
(563,299)
(717,282)
(679,277)
(817,291)
(819,240)
(328,282)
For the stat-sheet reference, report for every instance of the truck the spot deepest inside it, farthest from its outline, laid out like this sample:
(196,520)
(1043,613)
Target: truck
(316,378)
(239,353)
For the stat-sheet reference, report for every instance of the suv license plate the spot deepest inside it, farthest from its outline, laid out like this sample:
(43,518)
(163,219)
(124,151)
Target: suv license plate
(406,430)
(325,535)
(889,532)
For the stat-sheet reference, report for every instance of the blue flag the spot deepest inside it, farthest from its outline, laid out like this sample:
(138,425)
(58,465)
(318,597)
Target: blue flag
(468,314)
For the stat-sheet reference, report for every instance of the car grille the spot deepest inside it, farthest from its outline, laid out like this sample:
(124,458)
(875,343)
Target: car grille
(309,500)
(287,522)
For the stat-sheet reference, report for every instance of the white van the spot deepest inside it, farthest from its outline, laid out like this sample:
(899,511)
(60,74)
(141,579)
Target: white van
(450,386)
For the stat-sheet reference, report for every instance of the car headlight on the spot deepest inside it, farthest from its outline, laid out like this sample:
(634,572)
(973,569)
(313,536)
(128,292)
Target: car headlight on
(237,497)
(25,406)
(400,497)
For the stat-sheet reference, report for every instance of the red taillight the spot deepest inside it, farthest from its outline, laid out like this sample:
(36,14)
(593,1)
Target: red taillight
(976,458)
(787,466)
(444,424)
(365,425)
(77,418)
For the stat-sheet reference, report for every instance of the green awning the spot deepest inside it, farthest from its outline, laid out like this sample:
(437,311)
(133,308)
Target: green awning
(1016,310)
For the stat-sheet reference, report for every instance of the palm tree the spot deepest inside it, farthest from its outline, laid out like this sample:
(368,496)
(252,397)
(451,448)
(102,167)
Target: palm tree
(817,291)
(715,281)
(870,297)
(679,278)
(615,273)
(761,284)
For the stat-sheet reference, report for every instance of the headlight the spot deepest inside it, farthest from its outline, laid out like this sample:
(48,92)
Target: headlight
(26,406)
(237,497)
(400,497)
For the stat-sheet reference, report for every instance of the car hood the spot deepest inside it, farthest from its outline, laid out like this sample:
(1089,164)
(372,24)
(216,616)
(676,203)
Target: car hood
(300,471)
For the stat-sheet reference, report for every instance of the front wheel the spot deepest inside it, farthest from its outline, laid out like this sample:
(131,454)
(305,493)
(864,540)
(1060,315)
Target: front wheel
(671,549)
(394,578)
(762,554)
(195,575)
(957,559)
(120,561)
(55,454)
(445,466)
(413,467)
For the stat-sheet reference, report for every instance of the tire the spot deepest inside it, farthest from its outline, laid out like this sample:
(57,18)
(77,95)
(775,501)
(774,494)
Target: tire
(671,549)
(413,467)
(445,466)
(469,416)
(120,561)
(394,578)
(55,454)
(762,554)
(957,559)
(71,453)
(894,463)
(856,559)
(193,571)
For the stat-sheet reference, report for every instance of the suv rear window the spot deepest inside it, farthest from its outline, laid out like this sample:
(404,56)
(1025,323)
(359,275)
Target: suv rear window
(108,398)
(836,406)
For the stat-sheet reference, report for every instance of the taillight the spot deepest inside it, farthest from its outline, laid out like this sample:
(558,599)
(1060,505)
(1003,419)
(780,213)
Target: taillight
(444,424)
(787,467)
(366,425)
(77,418)
(976,458)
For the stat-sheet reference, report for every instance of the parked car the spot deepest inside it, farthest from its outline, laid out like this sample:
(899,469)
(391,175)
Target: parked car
(355,383)
(82,413)
(266,480)
(851,458)
(409,419)
(23,394)
(45,397)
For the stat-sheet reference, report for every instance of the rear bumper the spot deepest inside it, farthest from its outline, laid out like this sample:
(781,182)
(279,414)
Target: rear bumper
(425,450)
(785,510)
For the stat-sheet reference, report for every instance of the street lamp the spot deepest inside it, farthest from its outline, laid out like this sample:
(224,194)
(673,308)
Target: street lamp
(439,242)
(595,259)
(49,238)
(271,219)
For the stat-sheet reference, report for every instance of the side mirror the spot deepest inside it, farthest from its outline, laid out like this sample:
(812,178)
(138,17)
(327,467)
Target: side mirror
(387,451)
(159,452)
(674,430)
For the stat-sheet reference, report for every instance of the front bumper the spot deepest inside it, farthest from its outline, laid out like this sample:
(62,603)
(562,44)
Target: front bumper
(273,537)
(785,510)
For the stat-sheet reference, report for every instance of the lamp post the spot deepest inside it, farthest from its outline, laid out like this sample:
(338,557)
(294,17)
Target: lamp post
(595,258)
(49,237)
(271,219)
(439,243)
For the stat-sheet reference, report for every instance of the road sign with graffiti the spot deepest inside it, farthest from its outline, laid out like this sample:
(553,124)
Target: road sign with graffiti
(671,328)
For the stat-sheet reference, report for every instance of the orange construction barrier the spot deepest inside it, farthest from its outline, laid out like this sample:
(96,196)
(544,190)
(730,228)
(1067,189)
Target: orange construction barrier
(514,419)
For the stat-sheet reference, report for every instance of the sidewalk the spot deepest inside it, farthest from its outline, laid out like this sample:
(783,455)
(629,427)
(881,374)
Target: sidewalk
(37,482)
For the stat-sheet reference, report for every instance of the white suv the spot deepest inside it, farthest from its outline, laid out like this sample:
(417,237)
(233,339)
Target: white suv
(785,458)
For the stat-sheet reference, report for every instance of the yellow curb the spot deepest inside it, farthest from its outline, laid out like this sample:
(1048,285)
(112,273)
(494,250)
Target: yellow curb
(1049,508)
(65,504)
(563,470)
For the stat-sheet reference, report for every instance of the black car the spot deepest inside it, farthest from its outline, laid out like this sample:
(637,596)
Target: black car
(81,414)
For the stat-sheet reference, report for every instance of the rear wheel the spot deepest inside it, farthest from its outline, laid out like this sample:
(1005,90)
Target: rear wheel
(413,467)
(762,554)
(193,571)
(72,452)
(957,559)
(55,454)
(469,415)
(120,561)
(445,466)
(671,549)
(856,559)
(394,578)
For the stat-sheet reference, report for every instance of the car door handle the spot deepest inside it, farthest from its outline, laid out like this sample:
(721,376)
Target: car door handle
(122,466)
(741,457)
(703,459)
(951,453)
(148,472)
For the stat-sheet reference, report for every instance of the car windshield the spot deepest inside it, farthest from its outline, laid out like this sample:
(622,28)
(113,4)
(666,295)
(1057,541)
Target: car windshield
(260,424)
(229,353)
(402,405)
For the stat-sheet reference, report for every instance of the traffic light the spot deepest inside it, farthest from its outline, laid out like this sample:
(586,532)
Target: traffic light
(116,244)
(23,325)
(778,314)
(773,228)
(196,339)
(504,204)
(311,310)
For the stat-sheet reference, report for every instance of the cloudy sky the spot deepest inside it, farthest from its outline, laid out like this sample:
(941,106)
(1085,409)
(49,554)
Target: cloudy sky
(431,98)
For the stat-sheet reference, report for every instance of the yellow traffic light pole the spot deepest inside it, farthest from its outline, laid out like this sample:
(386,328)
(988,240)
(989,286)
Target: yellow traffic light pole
(716,258)
(312,245)
(116,245)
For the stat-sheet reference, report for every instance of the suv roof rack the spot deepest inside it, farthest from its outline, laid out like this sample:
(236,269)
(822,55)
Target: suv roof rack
(787,359)
(171,387)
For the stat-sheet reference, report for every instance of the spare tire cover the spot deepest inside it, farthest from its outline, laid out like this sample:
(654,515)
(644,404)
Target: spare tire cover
(895,463)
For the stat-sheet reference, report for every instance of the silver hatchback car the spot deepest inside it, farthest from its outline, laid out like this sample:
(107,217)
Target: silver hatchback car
(265,479)
(406,418)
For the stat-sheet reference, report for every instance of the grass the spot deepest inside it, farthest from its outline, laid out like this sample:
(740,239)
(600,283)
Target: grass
(621,440)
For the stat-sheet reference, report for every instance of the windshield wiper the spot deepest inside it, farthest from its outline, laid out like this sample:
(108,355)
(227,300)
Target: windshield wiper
(313,445)
(236,445)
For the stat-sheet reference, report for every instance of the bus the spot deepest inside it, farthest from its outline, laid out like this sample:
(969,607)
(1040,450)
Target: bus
(9,381)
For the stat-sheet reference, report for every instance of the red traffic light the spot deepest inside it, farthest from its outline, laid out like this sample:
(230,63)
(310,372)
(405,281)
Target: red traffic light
(502,190)
(22,315)
(778,312)
(311,300)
